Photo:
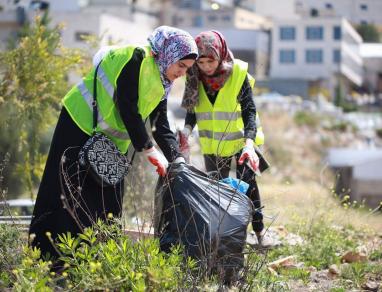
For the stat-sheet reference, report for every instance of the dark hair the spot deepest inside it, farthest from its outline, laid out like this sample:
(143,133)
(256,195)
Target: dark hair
(192,56)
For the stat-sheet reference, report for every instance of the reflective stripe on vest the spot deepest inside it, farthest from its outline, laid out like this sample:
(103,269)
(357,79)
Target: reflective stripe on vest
(221,125)
(101,122)
(221,128)
(79,99)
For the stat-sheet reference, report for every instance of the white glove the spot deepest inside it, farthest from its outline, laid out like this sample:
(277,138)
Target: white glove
(249,153)
(157,159)
(180,159)
(183,142)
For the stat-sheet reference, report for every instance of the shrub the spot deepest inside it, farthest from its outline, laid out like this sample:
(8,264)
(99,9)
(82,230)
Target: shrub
(309,119)
(105,258)
(379,132)
(10,253)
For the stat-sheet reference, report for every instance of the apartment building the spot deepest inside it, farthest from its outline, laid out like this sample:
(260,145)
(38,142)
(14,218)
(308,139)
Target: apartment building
(356,11)
(247,33)
(311,54)
(115,21)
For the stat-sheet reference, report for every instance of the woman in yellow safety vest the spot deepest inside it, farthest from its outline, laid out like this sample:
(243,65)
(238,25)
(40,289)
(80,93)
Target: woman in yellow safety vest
(218,98)
(133,83)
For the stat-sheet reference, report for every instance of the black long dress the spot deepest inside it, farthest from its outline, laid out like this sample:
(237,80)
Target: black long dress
(68,199)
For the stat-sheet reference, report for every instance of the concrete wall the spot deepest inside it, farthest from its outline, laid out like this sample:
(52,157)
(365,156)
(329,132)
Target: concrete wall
(369,191)
(276,9)
(289,86)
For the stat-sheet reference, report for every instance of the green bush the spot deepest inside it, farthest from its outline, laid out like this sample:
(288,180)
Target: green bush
(303,118)
(379,132)
(102,258)
(112,260)
(11,243)
(34,80)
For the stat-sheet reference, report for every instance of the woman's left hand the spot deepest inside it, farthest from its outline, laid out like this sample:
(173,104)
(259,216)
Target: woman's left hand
(249,153)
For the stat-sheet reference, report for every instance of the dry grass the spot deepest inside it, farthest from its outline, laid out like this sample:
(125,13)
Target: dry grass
(309,200)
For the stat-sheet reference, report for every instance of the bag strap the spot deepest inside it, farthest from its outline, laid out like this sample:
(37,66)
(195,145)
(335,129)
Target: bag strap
(94,103)
(95,109)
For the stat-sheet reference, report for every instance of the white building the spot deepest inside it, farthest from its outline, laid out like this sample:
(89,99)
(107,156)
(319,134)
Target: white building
(246,33)
(310,54)
(115,21)
(276,9)
(372,59)
(356,11)
(358,174)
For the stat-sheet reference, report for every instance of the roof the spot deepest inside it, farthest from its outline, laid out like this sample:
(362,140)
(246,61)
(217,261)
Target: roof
(369,170)
(371,50)
(348,157)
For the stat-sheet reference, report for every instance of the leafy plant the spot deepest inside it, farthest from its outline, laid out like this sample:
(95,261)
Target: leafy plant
(10,252)
(33,81)
(369,33)
(306,118)
(112,260)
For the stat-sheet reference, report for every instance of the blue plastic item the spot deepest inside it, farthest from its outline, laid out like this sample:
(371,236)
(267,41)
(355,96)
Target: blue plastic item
(238,184)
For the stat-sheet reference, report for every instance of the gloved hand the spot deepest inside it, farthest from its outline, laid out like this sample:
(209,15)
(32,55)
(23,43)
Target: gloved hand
(180,159)
(157,159)
(184,147)
(249,153)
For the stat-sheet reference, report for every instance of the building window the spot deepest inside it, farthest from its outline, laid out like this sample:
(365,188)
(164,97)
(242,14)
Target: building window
(336,56)
(314,12)
(328,6)
(287,57)
(198,21)
(287,33)
(81,36)
(226,18)
(314,33)
(313,56)
(363,7)
(364,22)
(337,33)
(212,18)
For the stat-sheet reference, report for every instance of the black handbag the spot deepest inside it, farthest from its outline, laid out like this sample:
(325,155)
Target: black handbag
(100,156)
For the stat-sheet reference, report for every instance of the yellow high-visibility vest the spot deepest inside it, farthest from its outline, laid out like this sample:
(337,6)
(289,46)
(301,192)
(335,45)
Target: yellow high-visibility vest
(220,126)
(78,101)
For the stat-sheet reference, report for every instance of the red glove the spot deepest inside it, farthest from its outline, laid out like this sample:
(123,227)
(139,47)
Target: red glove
(249,153)
(157,159)
(184,147)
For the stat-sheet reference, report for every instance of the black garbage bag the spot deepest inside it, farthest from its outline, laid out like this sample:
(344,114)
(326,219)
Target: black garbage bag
(208,217)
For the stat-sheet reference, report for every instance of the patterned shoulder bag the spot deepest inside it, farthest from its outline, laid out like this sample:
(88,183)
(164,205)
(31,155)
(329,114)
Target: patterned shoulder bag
(100,156)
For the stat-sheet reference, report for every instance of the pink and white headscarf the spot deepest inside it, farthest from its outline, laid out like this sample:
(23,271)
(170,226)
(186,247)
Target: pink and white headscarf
(169,45)
(211,44)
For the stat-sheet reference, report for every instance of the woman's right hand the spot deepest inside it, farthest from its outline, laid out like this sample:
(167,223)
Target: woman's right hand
(157,159)
(184,147)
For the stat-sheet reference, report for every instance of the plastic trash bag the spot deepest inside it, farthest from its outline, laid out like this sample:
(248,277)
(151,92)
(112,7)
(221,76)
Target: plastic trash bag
(208,217)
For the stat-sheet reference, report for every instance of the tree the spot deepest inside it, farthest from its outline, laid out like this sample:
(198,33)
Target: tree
(369,33)
(33,81)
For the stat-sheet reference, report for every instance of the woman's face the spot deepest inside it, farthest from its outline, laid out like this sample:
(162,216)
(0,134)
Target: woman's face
(207,65)
(178,69)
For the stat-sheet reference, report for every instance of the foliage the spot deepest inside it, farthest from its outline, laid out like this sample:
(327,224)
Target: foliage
(101,258)
(33,274)
(110,261)
(369,33)
(323,243)
(302,118)
(33,81)
(10,252)
(379,133)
